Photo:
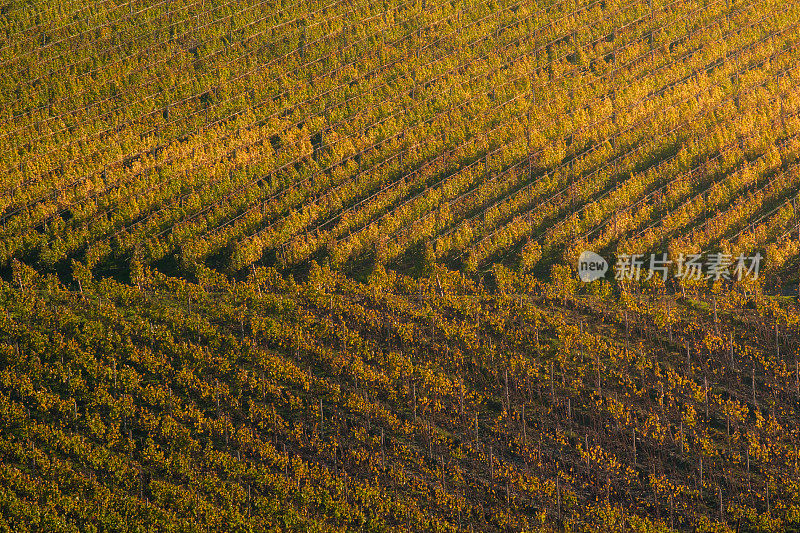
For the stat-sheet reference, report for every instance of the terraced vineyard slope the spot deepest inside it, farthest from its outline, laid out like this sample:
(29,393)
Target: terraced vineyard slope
(316,266)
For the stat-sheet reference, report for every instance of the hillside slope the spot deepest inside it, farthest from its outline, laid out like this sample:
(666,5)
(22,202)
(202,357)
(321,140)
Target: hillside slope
(313,266)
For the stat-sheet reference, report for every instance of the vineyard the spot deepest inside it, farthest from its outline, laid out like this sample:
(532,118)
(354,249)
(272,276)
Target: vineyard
(270,265)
